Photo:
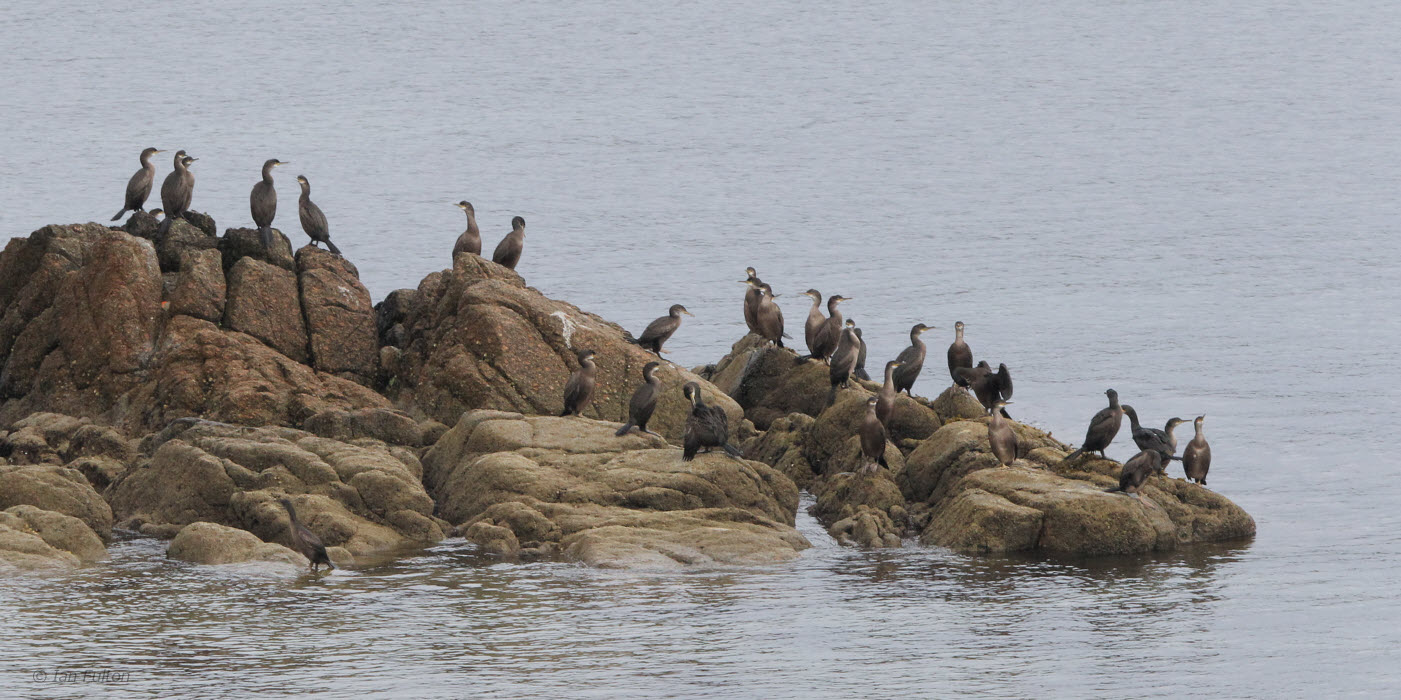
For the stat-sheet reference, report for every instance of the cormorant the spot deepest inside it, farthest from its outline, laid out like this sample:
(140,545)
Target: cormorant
(176,190)
(471,240)
(812,328)
(707,427)
(1103,427)
(872,433)
(831,334)
(508,251)
(752,293)
(578,391)
(911,361)
(262,201)
(643,401)
(306,541)
(1161,441)
(660,330)
(987,385)
(885,403)
(1196,456)
(1137,470)
(960,355)
(138,188)
(1001,438)
(860,371)
(313,221)
(843,360)
(768,317)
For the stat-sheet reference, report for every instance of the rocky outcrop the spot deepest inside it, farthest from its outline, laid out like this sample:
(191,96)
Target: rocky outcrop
(569,486)
(239,243)
(181,237)
(55,488)
(62,532)
(98,452)
(212,543)
(199,288)
(340,320)
(365,497)
(477,337)
(263,302)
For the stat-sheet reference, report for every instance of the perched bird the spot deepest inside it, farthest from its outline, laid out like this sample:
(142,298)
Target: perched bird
(313,221)
(508,251)
(860,371)
(843,360)
(987,385)
(262,201)
(578,391)
(960,355)
(1196,456)
(768,318)
(1161,441)
(872,433)
(176,191)
(306,541)
(812,328)
(911,360)
(707,427)
(885,398)
(971,376)
(644,400)
(831,334)
(1137,470)
(660,330)
(1001,438)
(471,240)
(752,293)
(138,188)
(1103,427)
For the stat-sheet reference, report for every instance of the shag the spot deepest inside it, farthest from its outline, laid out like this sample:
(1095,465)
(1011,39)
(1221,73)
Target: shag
(1001,438)
(313,221)
(1196,456)
(831,333)
(644,401)
(1103,427)
(885,398)
(707,427)
(1160,441)
(138,188)
(872,433)
(843,361)
(660,330)
(508,251)
(989,386)
(753,291)
(911,361)
(578,391)
(306,541)
(860,371)
(471,240)
(812,328)
(768,317)
(960,355)
(1137,470)
(262,201)
(177,189)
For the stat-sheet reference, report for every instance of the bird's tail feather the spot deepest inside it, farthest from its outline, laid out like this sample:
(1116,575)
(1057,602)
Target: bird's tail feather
(165,224)
(625,429)
(332,247)
(266,232)
(1074,454)
(119,215)
(733,451)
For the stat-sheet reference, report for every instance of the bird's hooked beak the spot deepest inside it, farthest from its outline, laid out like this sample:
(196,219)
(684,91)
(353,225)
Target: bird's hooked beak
(280,162)
(688,313)
(160,151)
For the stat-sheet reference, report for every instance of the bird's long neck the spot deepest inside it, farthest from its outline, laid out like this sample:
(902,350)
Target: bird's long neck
(889,376)
(1133,419)
(291,513)
(958,335)
(653,379)
(306,190)
(697,400)
(817,303)
(472,223)
(1114,402)
(146,161)
(1199,435)
(267,173)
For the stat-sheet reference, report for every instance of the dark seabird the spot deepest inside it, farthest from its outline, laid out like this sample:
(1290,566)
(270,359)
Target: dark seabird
(960,355)
(911,361)
(578,391)
(843,360)
(138,188)
(831,333)
(1196,456)
(176,190)
(768,318)
(1152,438)
(306,541)
(313,221)
(752,294)
(860,371)
(644,400)
(262,201)
(1103,427)
(989,386)
(872,433)
(885,398)
(812,328)
(707,427)
(1137,470)
(471,240)
(660,330)
(1001,438)
(508,251)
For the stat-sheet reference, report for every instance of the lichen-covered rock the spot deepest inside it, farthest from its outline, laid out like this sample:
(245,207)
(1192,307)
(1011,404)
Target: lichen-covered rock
(571,484)
(142,225)
(781,447)
(239,243)
(22,549)
(62,532)
(199,288)
(957,404)
(212,543)
(392,313)
(340,318)
(385,425)
(864,509)
(181,237)
(263,301)
(58,489)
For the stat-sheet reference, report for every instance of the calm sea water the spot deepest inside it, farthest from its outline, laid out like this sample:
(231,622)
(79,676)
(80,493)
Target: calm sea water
(1194,203)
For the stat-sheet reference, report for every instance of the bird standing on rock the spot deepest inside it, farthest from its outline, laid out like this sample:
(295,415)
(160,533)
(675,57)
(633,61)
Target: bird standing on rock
(873,438)
(768,318)
(1136,471)
(471,240)
(831,332)
(313,221)
(707,427)
(860,371)
(1103,427)
(960,356)
(660,330)
(885,398)
(644,401)
(1196,456)
(138,188)
(1001,438)
(1160,441)
(176,191)
(911,360)
(578,391)
(812,328)
(262,202)
(508,251)
(843,361)
(751,299)
(306,541)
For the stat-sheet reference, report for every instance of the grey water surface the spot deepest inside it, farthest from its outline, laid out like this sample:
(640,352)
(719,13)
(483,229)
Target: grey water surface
(1194,203)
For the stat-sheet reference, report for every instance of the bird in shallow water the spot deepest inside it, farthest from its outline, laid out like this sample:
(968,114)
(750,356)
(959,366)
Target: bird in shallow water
(306,541)
(262,202)
(706,428)
(860,371)
(644,401)
(313,221)
(471,240)
(843,361)
(1161,441)
(960,356)
(508,251)
(873,437)
(138,188)
(911,360)
(1103,427)
(1136,471)
(578,391)
(1196,456)
(885,398)
(660,330)
(1001,438)
(176,190)
(753,291)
